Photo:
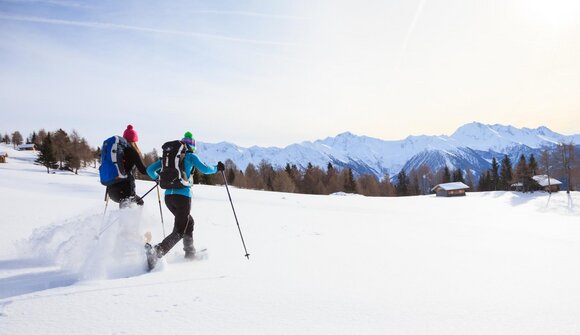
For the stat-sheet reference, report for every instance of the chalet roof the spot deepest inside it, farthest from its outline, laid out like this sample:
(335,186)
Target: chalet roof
(451,186)
(25,146)
(543,180)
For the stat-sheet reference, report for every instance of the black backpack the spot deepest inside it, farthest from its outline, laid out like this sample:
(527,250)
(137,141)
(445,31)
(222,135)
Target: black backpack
(172,174)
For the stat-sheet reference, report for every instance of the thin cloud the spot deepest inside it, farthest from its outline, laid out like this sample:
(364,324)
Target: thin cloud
(410,32)
(114,26)
(251,14)
(48,2)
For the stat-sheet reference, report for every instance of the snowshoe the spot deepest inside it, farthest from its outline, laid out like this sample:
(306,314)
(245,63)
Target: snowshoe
(152,256)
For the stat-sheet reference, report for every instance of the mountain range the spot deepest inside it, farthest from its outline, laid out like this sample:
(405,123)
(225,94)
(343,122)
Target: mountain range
(471,146)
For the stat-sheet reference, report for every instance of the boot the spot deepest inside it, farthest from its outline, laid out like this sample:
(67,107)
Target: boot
(153,255)
(188,247)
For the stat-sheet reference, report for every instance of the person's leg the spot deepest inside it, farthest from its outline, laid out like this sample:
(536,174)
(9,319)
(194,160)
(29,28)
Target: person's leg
(180,207)
(188,240)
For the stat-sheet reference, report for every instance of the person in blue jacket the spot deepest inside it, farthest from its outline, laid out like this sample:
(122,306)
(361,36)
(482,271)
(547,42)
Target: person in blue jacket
(178,201)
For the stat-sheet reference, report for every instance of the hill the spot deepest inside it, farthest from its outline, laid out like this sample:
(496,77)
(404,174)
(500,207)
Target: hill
(487,263)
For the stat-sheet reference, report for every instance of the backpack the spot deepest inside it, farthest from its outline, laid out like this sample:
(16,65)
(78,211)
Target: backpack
(172,174)
(112,169)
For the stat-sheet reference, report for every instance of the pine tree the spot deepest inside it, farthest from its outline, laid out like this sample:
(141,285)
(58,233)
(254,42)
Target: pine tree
(402,184)
(446,175)
(458,176)
(349,181)
(494,174)
(533,165)
(523,175)
(46,154)
(506,176)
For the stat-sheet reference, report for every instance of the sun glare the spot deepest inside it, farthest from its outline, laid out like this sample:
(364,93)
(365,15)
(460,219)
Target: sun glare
(556,13)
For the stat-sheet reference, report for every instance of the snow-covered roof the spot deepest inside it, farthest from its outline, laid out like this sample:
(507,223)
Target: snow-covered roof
(451,186)
(25,146)
(543,180)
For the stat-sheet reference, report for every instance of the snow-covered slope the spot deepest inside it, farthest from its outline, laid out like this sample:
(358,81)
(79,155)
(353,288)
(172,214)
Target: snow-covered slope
(486,263)
(468,148)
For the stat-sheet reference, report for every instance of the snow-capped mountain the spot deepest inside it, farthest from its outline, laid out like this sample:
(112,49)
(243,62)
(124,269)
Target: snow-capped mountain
(472,146)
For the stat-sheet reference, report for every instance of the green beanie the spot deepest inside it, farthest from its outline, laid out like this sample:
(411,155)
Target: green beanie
(188,135)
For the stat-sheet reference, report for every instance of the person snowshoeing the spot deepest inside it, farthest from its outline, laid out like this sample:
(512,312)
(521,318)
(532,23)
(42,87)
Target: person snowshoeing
(123,192)
(173,172)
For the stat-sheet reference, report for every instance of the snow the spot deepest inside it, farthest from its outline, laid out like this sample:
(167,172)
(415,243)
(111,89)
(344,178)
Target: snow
(451,186)
(503,263)
(544,180)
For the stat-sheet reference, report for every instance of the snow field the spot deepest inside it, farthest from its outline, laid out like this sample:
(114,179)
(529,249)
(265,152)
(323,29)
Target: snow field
(487,263)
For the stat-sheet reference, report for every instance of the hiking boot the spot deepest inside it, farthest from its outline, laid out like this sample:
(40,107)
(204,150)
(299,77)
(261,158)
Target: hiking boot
(152,254)
(188,247)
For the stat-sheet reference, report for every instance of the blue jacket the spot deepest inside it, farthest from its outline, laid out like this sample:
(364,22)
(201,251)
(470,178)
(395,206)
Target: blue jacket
(191,160)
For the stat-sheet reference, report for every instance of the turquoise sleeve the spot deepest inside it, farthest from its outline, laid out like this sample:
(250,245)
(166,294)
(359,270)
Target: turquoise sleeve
(199,165)
(152,170)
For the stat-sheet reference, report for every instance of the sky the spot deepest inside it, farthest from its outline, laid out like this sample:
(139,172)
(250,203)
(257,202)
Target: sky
(273,73)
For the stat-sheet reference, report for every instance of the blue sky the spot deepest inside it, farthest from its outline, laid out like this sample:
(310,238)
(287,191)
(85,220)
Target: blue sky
(272,73)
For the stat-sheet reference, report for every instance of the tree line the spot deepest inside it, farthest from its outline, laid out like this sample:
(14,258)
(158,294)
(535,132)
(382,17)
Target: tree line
(60,150)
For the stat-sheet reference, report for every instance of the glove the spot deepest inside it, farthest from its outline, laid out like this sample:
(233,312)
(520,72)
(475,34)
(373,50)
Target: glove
(221,166)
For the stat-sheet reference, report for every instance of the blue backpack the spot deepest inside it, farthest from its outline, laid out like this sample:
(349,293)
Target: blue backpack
(112,169)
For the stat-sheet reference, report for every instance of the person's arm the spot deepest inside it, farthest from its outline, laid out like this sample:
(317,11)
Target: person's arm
(199,165)
(139,162)
(153,168)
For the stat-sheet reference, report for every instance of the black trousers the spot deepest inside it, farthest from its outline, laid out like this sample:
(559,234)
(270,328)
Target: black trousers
(124,192)
(180,207)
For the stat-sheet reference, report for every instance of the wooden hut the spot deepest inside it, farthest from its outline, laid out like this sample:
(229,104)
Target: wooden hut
(455,189)
(548,183)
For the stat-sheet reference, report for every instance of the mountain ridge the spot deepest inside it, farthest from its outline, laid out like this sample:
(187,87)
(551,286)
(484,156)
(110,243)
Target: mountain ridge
(469,147)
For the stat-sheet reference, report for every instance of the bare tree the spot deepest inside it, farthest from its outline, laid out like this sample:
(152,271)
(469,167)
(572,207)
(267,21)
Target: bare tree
(16,138)
(368,185)
(283,183)
(568,160)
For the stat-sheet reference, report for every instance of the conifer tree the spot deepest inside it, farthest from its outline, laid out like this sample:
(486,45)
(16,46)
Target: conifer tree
(402,184)
(458,176)
(506,176)
(446,175)
(349,181)
(46,156)
(533,165)
(523,175)
(494,174)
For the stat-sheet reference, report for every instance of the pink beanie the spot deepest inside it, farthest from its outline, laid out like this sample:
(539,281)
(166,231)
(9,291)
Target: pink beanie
(130,135)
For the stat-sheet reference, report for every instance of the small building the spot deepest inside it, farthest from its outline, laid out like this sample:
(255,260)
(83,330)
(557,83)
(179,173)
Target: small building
(28,147)
(3,157)
(547,183)
(455,189)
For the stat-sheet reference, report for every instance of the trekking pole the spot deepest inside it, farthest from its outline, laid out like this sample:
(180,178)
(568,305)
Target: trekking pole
(144,195)
(106,202)
(235,216)
(160,210)
(105,229)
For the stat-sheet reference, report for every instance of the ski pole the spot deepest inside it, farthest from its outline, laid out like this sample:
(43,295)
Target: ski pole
(160,210)
(144,195)
(235,216)
(106,202)
(105,229)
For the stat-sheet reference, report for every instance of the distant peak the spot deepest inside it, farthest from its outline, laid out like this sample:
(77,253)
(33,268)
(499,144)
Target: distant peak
(346,134)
